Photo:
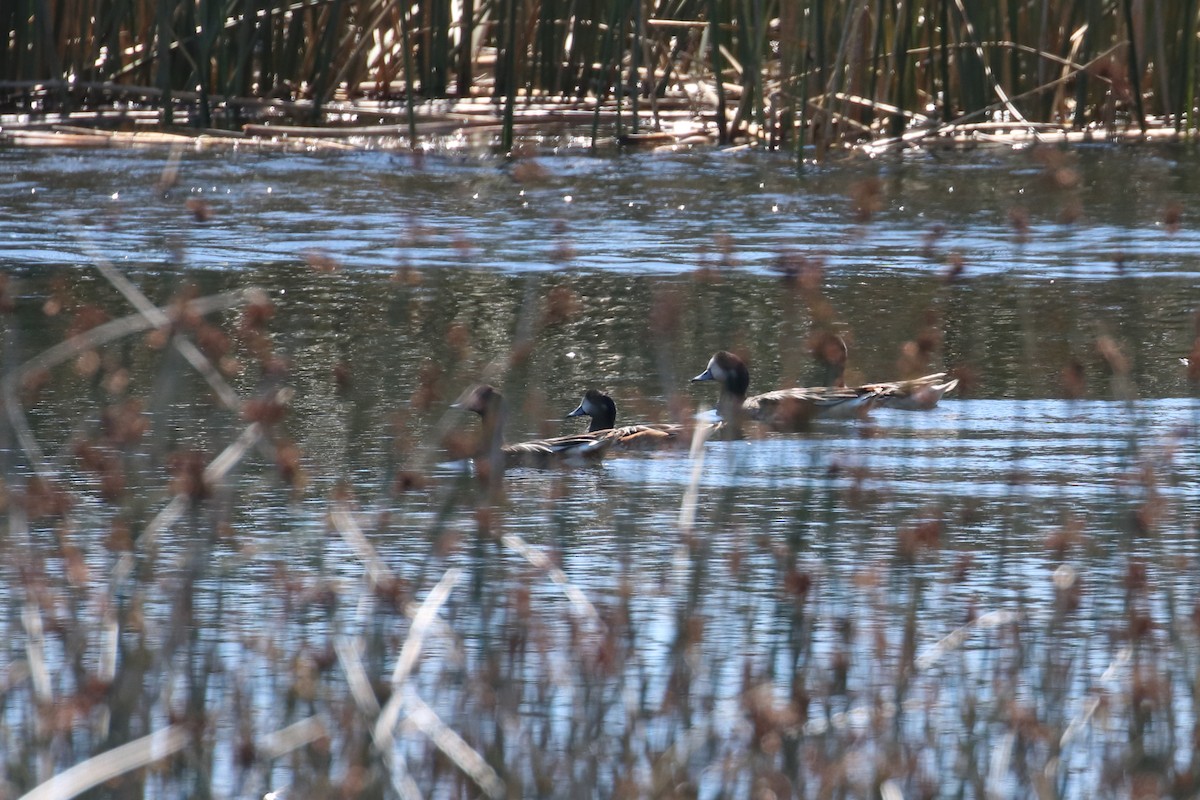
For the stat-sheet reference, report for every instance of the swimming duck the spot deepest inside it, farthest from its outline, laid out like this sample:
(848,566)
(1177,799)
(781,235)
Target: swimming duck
(488,403)
(782,409)
(915,394)
(603,413)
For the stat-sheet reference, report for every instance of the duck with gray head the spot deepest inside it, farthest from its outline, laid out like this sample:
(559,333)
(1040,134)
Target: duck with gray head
(488,403)
(602,411)
(782,409)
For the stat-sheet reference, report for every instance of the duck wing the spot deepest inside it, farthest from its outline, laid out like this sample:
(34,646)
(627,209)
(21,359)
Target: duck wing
(543,453)
(918,394)
(647,437)
(793,409)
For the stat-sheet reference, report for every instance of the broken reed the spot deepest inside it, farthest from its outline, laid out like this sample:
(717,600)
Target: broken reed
(817,71)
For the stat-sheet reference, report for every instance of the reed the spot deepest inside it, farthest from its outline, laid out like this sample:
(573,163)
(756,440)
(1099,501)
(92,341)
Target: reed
(869,69)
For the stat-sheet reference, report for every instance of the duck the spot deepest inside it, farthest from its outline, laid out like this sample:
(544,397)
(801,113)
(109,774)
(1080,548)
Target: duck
(914,394)
(782,409)
(487,401)
(602,411)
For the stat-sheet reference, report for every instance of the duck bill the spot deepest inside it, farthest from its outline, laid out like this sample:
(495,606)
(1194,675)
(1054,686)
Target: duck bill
(704,376)
(579,412)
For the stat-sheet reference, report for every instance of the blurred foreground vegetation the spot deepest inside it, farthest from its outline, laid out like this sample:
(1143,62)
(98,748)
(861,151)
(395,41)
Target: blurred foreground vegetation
(233,562)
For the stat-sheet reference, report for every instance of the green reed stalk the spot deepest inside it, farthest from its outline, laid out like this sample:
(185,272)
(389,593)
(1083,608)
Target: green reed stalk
(210,27)
(290,46)
(164,39)
(782,127)
(902,90)
(878,31)
(803,50)
(1135,71)
(1185,78)
(1164,75)
(441,49)
(509,84)
(759,48)
(465,51)
(610,62)
(544,39)
(638,33)
(237,81)
(972,67)
(818,12)
(831,122)
(323,69)
(409,98)
(714,44)
(578,60)
(1086,51)
(617,28)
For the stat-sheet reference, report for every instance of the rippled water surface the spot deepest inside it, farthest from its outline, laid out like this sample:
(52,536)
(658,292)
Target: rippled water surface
(1098,212)
(1059,485)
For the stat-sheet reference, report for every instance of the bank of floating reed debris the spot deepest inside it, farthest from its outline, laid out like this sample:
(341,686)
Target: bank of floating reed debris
(782,74)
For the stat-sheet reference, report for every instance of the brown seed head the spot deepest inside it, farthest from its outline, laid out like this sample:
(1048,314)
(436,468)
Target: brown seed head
(866,198)
(200,209)
(1173,217)
(1074,380)
(187,475)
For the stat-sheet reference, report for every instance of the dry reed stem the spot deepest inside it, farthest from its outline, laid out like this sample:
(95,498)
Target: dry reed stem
(983,60)
(111,764)
(1084,717)
(998,766)
(540,560)
(294,736)
(914,137)
(378,572)
(954,639)
(214,472)
(452,745)
(35,649)
(91,339)
(382,732)
(411,651)
(364,698)
(691,495)
(359,682)
(159,318)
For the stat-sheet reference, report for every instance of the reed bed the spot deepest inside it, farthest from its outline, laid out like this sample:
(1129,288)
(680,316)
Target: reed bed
(196,605)
(807,75)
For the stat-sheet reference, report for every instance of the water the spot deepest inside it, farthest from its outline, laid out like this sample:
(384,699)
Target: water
(765,642)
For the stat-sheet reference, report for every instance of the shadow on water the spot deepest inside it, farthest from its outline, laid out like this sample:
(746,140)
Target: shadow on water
(993,598)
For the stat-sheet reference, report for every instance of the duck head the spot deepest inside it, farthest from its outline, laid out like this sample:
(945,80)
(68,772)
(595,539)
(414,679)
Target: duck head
(484,400)
(728,370)
(830,352)
(600,407)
